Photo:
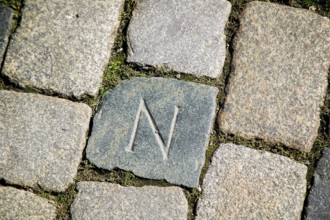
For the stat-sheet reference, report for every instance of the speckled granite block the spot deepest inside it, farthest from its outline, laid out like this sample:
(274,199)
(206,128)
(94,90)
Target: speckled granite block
(41,139)
(6,18)
(158,128)
(62,46)
(112,201)
(279,81)
(19,204)
(319,197)
(186,36)
(243,183)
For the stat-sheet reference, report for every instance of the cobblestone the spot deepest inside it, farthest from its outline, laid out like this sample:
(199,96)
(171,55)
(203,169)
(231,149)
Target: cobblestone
(111,201)
(62,46)
(158,128)
(19,204)
(187,36)
(41,139)
(281,61)
(244,183)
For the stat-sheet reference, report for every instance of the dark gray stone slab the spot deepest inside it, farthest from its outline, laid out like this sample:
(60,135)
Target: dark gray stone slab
(281,61)
(319,197)
(158,128)
(62,46)
(186,36)
(6,18)
(41,139)
(243,183)
(112,201)
(19,204)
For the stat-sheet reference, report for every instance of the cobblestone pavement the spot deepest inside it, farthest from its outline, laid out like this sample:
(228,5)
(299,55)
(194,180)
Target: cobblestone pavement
(164,109)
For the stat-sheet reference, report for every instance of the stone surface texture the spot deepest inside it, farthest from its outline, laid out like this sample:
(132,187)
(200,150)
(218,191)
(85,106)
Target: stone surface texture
(186,36)
(158,128)
(112,201)
(281,61)
(62,46)
(243,183)
(319,197)
(41,139)
(6,18)
(19,204)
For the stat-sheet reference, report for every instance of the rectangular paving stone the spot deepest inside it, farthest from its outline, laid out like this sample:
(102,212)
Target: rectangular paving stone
(41,139)
(243,183)
(19,204)
(279,79)
(62,46)
(319,197)
(186,36)
(158,128)
(6,19)
(112,201)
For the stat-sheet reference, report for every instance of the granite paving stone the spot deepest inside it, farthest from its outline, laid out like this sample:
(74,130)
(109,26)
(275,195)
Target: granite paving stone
(41,139)
(186,36)
(6,19)
(279,80)
(319,197)
(19,204)
(158,128)
(243,183)
(62,46)
(111,201)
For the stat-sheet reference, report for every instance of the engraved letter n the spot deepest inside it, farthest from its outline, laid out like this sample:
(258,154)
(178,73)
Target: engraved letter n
(164,148)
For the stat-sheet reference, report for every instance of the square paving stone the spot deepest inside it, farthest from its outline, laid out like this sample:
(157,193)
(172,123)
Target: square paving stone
(6,19)
(62,46)
(41,139)
(19,204)
(112,201)
(319,197)
(279,81)
(243,183)
(158,128)
(186,36)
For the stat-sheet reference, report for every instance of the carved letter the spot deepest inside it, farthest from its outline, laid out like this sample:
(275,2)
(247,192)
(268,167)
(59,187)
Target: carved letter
(164,148)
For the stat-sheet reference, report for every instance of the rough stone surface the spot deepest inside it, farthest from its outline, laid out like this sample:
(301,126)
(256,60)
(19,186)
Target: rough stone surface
(242,183)
(186,36)
(41,139)
(281,61)
(6,15)
(19,204)
(112,201)
(62,46)
(158,128)
(319,197)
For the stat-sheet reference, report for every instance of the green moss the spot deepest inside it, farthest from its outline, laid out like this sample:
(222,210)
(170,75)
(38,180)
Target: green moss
(14,4)
(321,7)
(62,201)
(192,196)
(2,85)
